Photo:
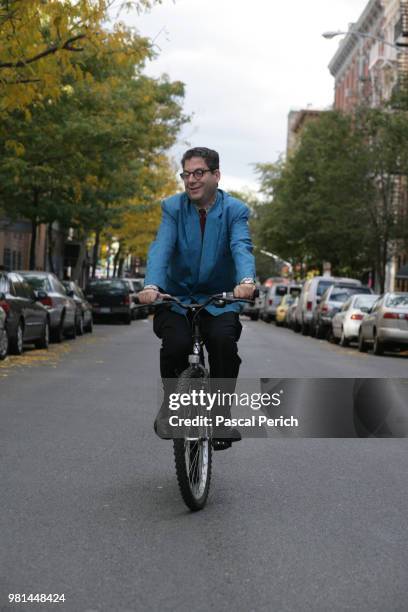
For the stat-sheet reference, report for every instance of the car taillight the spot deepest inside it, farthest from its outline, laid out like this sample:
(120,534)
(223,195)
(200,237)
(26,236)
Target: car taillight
(357,317)
(126,299)
(270,302)
(309,305)
(47,301)
(5,306)
(395,315)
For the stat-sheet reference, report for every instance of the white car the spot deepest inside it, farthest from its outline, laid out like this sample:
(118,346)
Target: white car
(346,323)
(386,324)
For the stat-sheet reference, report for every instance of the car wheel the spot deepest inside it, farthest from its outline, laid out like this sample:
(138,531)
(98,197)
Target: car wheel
(80,326)
(17,342)
(319,332)
(343,340)
(4,343)
(362,344)
(127,318)
(72,333)
(58,333)
(312,330)
(44,341)
(378,347)
(89,327)
(304,329)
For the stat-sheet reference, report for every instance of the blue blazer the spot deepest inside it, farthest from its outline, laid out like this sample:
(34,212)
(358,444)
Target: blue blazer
(184,265)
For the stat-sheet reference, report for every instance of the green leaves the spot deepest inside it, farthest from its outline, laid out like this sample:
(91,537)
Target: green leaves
(336,199)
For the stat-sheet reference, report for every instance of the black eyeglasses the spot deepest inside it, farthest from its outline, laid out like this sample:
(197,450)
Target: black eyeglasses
(199,173)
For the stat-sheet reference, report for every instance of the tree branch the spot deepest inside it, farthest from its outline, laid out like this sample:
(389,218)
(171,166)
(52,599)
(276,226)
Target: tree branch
(67,46)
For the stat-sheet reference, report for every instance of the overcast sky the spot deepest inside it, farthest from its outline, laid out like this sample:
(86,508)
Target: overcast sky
(245,65)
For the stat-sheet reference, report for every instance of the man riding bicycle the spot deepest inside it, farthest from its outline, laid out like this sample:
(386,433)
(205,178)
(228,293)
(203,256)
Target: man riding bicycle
(203,247)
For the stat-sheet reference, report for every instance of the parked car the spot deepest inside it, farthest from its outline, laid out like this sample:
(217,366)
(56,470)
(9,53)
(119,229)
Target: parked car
(331,302)
(386,324)
(282,309)
(84,322)
(311,294)
(141,311)
(111,298)
(252,310)
(274,297)
(61,308)
(346,323)
(3,335)
(27,320)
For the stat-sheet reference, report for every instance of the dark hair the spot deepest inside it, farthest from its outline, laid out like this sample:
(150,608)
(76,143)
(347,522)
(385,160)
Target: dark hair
(210,157)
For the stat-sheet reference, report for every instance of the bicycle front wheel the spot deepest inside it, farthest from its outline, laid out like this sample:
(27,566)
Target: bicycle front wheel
(193,455)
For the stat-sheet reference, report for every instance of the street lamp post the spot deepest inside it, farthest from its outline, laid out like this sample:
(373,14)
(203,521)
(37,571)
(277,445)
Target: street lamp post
(401,47)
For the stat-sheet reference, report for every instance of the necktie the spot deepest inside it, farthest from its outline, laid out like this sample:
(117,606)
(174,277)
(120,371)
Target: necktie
(203,217)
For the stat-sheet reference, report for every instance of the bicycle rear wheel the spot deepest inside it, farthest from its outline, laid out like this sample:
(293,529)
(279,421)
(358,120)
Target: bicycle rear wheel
(193,455)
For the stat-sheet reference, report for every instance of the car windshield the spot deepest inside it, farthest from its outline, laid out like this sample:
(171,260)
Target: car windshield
(397,301)
(365,301)
(295,291)
(39,283)
(322,286)
(340,296)
(138,285)
(107,285)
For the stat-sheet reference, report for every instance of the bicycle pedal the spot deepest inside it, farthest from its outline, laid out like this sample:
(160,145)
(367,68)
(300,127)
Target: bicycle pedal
(219,445)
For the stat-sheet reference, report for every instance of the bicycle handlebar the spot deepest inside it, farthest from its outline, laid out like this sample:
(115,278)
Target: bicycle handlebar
(227,297)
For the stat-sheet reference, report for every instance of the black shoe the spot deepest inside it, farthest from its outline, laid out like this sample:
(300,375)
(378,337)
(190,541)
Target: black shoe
(161,423)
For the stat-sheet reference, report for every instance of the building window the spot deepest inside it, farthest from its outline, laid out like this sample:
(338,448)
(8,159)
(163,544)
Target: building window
(7,258)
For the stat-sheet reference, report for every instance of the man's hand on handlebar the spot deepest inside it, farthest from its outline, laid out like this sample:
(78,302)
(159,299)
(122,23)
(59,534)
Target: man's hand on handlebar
(244,291)
(148,296)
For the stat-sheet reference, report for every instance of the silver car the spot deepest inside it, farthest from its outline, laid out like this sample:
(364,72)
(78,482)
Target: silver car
(62,309)
(386,324)
(346,323)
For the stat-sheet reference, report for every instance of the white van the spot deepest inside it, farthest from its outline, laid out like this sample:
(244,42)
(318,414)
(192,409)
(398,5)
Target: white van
(273,298)
(311,294)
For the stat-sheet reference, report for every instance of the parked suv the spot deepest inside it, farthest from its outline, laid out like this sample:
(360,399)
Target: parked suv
(332,300)
(111,297)
(311,294)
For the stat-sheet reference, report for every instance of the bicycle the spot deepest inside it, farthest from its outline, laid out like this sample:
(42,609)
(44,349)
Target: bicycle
(193,452)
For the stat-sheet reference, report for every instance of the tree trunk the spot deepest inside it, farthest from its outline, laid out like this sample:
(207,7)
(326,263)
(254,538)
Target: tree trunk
(33,244)
(95,252)
(50,248)
(116,262)
(120,269)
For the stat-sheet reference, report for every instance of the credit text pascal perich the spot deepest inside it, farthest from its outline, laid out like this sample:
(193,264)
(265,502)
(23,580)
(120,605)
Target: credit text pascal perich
(252,421)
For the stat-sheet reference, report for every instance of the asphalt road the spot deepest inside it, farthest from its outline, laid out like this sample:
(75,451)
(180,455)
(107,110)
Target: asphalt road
(91,509)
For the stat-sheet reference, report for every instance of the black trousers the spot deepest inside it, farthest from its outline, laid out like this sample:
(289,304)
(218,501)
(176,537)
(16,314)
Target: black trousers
(220,334)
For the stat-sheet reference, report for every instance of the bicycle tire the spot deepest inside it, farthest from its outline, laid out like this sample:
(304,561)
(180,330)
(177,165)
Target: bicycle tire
(193,458)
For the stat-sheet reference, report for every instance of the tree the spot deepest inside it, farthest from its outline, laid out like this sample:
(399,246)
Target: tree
(319,198)
(81,158)
(385,134)
(41,40)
